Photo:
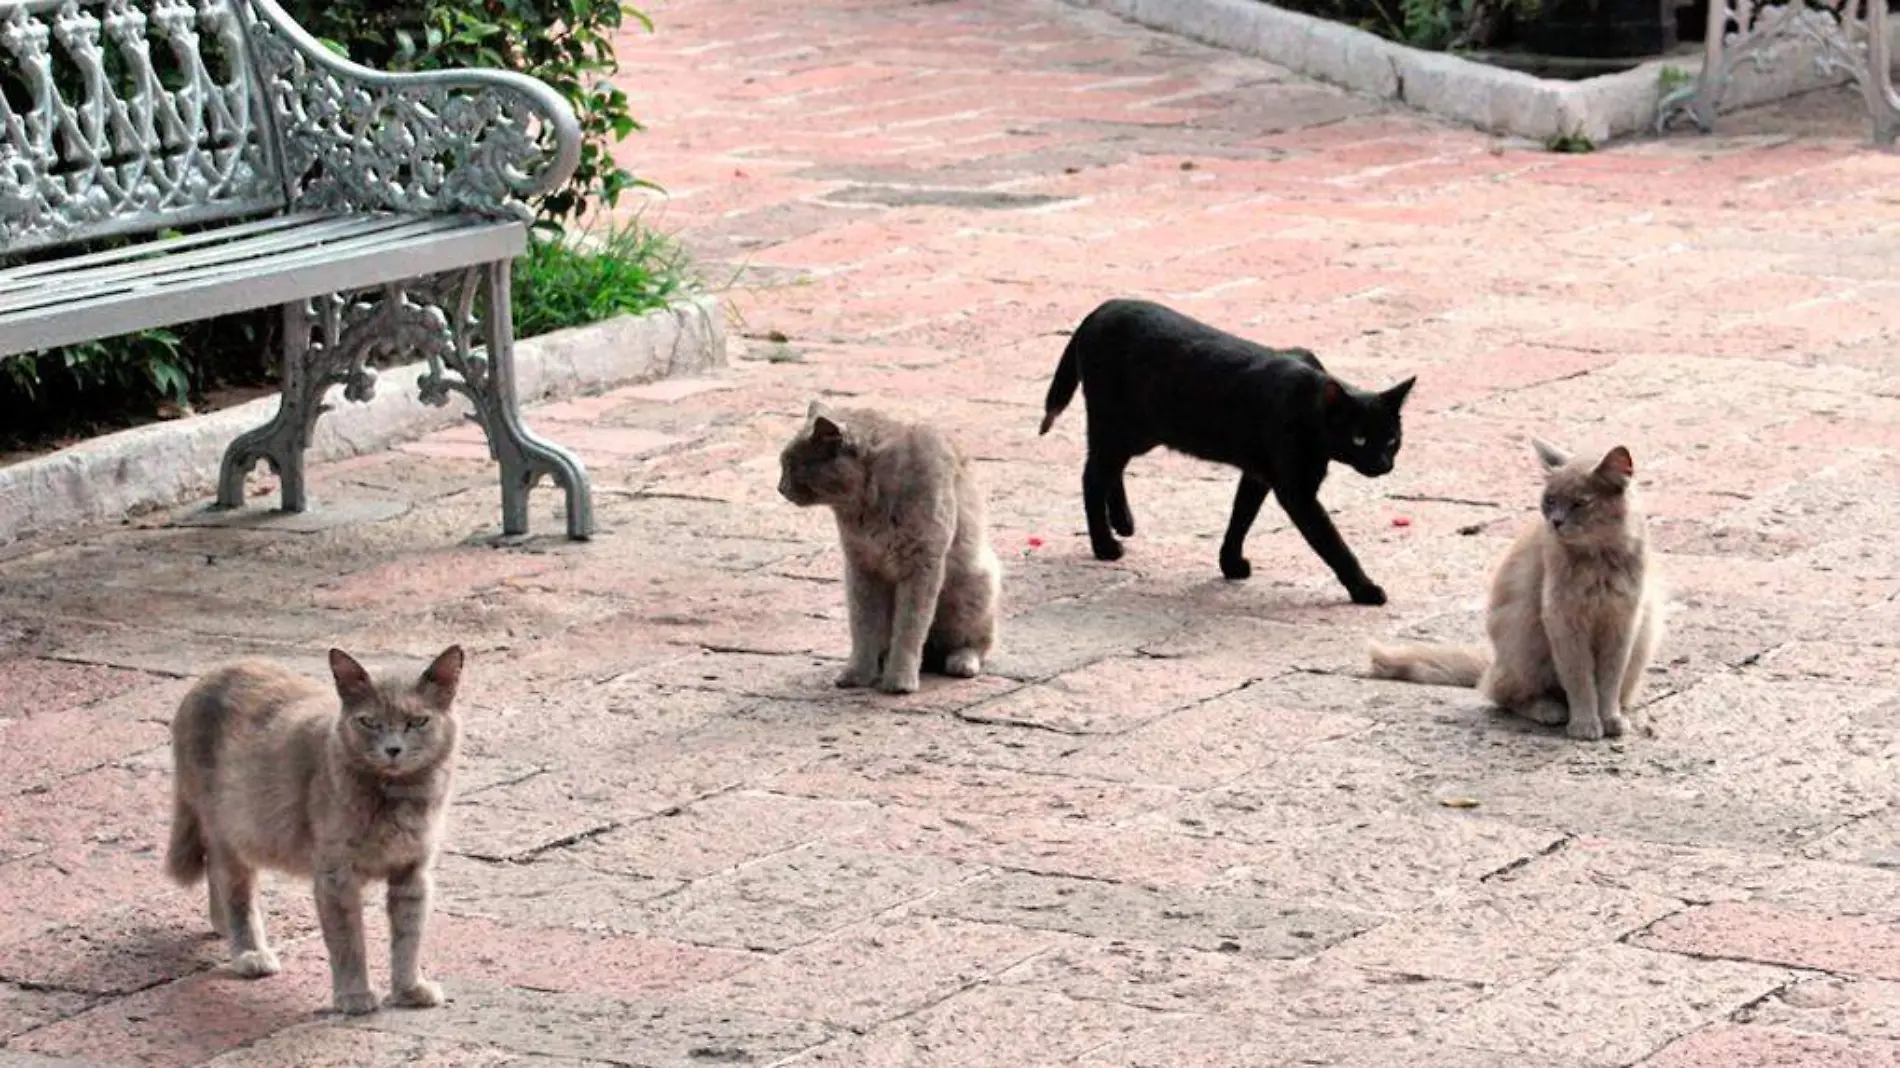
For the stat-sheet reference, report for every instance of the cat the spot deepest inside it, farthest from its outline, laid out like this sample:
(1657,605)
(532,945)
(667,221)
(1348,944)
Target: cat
(1152,376)
(1576,609)
(922,583)
(271,771)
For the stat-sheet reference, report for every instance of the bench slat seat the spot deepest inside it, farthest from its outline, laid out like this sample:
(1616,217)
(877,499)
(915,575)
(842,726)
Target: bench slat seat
(234,269)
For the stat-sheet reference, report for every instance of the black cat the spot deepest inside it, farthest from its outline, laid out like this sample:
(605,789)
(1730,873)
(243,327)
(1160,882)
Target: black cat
(1152,376)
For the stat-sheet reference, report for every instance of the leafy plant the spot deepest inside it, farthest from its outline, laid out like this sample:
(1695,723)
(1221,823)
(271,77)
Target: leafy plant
(1430,24)
(562,283)
(1671,78)
(1573,142)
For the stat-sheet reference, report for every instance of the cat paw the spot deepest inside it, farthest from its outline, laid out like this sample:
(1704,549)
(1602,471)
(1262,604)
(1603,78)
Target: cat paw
(1368,594)
(963,664)
(255,964)
(1108,550)
(1615,725)
(1123,524)
(424,995)
(895,683)
(1584,730)
(1235,568)
(855,678)
(355,1003)
(1547,712)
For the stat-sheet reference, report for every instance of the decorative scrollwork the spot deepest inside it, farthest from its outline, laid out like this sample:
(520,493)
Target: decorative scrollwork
(485,142)
(1844,37)
(460,325)
(126,127)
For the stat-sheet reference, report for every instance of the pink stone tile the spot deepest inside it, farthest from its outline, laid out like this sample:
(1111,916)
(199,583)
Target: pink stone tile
(1847,945)
(671,390)
(30,685)
(1732,1046)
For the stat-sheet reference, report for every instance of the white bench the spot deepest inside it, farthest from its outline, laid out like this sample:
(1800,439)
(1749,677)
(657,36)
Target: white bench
(182,159)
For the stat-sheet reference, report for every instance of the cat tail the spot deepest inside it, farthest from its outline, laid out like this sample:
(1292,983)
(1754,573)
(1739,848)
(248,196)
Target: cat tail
(1062,387)
(185,859)
(1433,665)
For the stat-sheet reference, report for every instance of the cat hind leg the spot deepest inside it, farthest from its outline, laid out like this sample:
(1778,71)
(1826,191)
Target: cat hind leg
(233,889)
(1100,473)
(964,632)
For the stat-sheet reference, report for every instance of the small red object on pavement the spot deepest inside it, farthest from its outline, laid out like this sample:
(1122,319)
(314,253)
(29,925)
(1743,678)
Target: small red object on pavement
(1035,543)
(1401,521)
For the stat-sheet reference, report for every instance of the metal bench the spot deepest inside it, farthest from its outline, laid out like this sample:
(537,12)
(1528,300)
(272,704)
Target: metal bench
(163,161)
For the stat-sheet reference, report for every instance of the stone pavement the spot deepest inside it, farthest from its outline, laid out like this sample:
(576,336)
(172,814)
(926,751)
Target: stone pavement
(1175,827)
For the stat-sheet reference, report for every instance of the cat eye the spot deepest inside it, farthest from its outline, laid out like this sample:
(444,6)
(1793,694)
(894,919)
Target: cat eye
(368,723)
(418,723)
(1359,440)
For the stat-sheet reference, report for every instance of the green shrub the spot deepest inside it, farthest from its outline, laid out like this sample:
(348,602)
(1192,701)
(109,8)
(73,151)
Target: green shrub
(626,270)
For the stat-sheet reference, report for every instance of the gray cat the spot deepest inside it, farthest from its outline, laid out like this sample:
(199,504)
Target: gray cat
(1576,608)
(921,579)
(273,771)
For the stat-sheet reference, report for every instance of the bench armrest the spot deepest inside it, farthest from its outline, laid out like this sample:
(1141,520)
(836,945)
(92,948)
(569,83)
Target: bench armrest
(436,142)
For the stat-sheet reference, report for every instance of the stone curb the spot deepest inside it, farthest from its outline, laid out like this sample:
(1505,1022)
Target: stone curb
(1490,98)
(164,464)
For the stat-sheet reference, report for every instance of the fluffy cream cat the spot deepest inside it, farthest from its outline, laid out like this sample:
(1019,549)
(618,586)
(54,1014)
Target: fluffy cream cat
(1575,613)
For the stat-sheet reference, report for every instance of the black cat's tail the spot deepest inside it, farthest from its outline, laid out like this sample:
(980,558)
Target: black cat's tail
(1062,388)
(1433,665)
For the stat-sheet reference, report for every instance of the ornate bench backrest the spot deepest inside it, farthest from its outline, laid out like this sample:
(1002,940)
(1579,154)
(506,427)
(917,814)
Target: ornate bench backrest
(128,116)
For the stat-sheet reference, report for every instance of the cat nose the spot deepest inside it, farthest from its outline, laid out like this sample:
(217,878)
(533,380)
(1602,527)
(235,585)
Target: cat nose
(392,751)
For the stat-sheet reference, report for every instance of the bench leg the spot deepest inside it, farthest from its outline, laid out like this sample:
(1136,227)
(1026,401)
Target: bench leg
(524,456)
(282,441)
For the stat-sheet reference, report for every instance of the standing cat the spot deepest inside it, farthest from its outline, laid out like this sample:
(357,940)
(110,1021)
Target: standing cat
(1152,376)
(920,578)
(1576,608)
(272,771)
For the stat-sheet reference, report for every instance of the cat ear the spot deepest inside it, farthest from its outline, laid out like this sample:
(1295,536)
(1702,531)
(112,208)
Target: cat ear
(1552,456)
(440,680)
(1617,468)
(1395,397)
(826,429)
(1330,393)
(352,682)
(817,410)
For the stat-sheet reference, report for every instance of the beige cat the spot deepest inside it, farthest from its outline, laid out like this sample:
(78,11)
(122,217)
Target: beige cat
(921,580)
(1576,608)
(273,771)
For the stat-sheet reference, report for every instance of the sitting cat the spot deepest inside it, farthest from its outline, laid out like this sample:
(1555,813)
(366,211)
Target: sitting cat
(271,771)
(921,580)
(1152,376)
(1576,608)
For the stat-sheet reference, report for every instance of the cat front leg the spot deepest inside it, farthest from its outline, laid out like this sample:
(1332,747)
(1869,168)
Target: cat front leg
(1613,661)
(914,611)
(340,912)
(409,894)
(868,603)
(1310,518)
(1577,671)
(1251,494)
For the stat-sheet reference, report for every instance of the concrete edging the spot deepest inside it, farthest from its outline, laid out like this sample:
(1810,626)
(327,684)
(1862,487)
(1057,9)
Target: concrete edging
(164,464)
(1490,98)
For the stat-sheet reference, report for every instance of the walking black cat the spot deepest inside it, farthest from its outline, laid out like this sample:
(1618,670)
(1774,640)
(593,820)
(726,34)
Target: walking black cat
(1151,376)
